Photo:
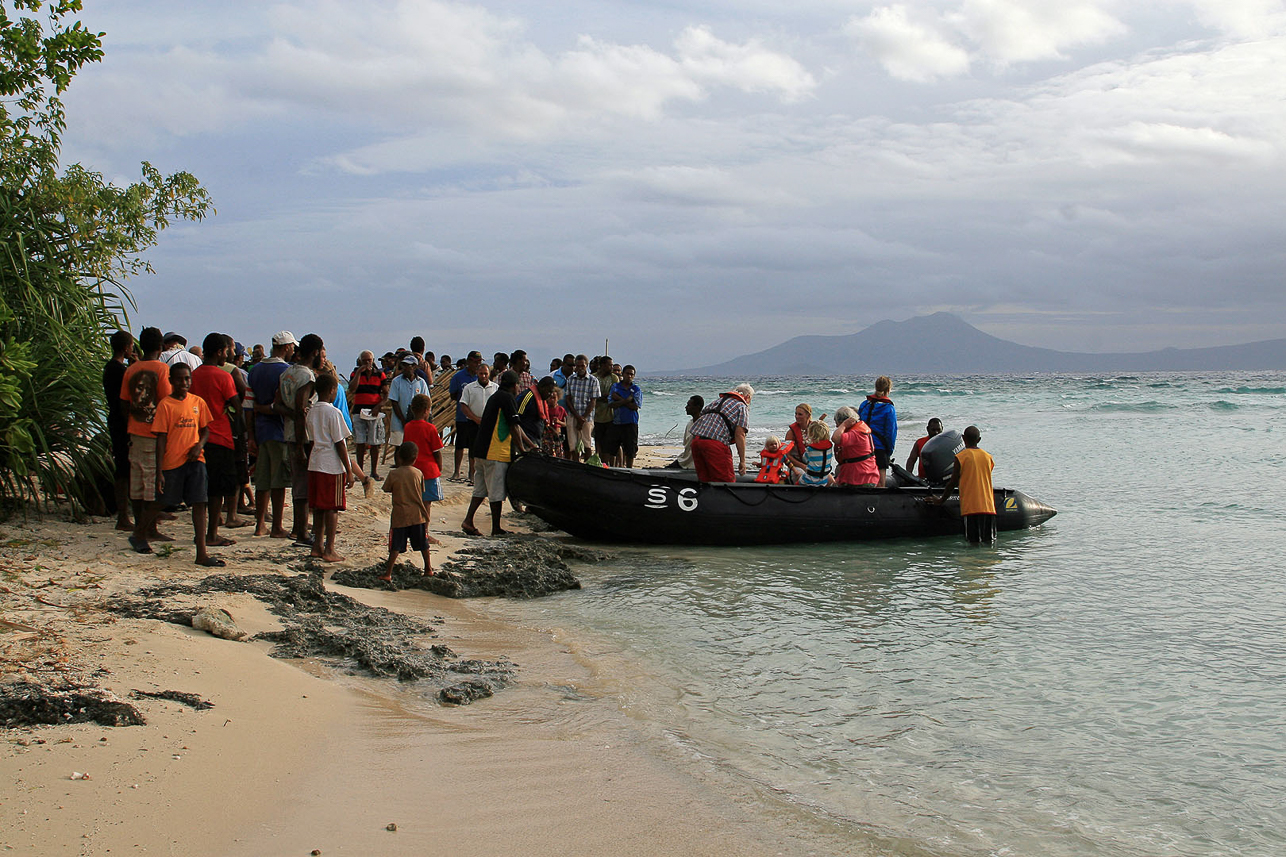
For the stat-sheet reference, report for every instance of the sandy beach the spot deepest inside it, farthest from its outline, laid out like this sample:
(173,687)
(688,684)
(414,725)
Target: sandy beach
(301,756)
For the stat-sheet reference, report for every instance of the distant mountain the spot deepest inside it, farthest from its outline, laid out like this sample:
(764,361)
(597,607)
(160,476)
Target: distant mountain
(944,343)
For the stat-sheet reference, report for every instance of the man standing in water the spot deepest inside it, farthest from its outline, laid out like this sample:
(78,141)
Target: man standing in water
(972,472)
(722,424)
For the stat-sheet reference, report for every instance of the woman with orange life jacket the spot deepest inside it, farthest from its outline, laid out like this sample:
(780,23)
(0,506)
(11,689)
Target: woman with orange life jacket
(819,457)
(773,460)
(856,451)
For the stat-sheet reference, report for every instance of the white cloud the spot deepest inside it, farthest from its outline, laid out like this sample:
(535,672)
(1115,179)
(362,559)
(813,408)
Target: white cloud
(1009,31)
(907,49)
(749,67)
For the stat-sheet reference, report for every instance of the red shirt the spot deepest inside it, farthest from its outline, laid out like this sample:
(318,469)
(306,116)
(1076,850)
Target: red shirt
(216,387)
(919,462)
(424,435)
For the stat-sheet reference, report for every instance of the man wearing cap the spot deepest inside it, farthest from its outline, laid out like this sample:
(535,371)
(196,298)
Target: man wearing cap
(175,349)
(266,437)
(405,387)
(295,395)
(366,392)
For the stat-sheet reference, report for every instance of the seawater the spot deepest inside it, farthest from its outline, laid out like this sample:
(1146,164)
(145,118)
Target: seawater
(1112,683)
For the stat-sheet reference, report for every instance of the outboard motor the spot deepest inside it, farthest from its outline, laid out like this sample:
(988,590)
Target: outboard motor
(939,456)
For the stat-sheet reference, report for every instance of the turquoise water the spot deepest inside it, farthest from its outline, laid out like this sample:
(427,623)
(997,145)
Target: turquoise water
(1113,683)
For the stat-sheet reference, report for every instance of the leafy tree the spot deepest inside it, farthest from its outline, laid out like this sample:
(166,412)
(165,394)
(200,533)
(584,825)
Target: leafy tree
(68,242)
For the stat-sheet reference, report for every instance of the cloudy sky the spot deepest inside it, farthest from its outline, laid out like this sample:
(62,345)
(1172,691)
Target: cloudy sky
(697,180)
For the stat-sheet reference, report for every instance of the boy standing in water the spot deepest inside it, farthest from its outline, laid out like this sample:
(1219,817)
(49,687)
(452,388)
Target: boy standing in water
(972,472)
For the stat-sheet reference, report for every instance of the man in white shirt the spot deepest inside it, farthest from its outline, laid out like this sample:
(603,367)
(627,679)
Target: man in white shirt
(401,391)
(473,401)
(175,350)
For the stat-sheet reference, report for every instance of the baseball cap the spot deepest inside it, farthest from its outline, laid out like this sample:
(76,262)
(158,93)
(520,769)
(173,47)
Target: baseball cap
(411,358)
(284,337)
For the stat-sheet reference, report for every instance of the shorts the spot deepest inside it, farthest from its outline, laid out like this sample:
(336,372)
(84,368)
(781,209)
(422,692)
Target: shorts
(325,491)
(466,431)
(298,471)
(432,490)
(416,534)
(221,471)
(395,438)
(489,479)
(368,432)
(272,469)
(712,459)
(142,468)
(980,529)
(606,439)
(627,438)
(584,433)
(185,484)
(882,459)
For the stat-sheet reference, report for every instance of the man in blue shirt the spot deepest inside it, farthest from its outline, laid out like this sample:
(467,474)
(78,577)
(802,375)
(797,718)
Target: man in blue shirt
(626,399)
(465,429)
(404,388)
(265,437)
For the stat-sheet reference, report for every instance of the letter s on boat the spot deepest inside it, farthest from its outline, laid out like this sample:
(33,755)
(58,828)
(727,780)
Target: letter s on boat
(687,499)
(656,497)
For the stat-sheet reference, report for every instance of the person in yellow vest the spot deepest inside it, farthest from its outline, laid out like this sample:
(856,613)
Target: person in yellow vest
(972,472)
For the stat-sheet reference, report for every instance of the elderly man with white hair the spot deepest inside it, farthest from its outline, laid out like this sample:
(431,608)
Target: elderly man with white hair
(721,425)
(366,388)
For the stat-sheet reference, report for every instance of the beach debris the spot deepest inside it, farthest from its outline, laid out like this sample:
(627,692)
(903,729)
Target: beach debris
(515,567)
(319,623)
(189,699)
(391,827)
(77,775)
(29,704)
(465,692)
(316,852)
(217,621)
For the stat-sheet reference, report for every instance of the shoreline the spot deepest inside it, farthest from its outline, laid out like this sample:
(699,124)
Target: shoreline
(288,743)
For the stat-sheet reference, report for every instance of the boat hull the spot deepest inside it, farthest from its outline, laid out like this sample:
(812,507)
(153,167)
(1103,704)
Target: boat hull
(671,507)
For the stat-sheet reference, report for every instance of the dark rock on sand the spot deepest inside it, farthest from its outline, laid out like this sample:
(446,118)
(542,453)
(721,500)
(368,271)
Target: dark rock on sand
(27,704)
(191,700)
(514,567)
(464,692)
(324,624)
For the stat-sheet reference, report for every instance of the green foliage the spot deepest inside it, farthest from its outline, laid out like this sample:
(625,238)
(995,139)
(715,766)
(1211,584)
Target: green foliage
(68,242)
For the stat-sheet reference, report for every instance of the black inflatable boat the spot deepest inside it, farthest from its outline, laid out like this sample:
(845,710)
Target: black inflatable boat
(671,507)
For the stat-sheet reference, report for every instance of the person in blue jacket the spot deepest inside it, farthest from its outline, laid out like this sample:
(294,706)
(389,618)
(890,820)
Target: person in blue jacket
(878,413)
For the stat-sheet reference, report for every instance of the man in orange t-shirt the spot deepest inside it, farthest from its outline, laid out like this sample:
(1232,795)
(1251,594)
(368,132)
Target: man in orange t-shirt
(182,426)
(145,385)
(972,472)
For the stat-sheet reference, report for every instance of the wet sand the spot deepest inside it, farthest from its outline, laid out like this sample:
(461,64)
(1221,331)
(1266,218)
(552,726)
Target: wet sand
(298,755)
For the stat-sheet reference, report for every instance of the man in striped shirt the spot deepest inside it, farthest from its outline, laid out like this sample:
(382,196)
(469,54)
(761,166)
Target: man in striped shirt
(722,424)
(583,392)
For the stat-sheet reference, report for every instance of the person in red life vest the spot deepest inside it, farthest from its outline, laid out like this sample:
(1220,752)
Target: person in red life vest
(878,413)
(856,452)
(773,461)
(819,457)
(972,472)
(797,432)
(934,428)
(722,424)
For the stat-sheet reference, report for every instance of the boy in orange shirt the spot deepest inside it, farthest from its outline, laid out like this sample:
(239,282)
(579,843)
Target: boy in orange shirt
(182,427)
(972,472)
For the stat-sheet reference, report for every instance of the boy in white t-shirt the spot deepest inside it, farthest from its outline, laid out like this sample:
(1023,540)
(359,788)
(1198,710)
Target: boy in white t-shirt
(330,471)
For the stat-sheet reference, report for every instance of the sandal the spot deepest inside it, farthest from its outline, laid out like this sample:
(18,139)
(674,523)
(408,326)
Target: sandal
(473,531)
(212,562)
(139,545)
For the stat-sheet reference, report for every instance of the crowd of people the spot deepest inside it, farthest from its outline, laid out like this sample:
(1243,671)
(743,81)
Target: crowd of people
(200,427)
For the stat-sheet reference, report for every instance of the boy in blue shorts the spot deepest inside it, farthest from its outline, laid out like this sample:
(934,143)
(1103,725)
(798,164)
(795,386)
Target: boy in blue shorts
(626,399)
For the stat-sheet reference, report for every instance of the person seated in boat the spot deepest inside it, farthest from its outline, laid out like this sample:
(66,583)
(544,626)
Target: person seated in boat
(773,460)
(934,428)
(693,410)
(819,457)
(797,432)
(856,451)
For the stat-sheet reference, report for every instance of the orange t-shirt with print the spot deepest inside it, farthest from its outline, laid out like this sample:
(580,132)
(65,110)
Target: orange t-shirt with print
(181,421)
(146,384)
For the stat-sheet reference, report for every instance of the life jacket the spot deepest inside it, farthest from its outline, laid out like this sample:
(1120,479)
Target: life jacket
(774,463)
(817,462)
